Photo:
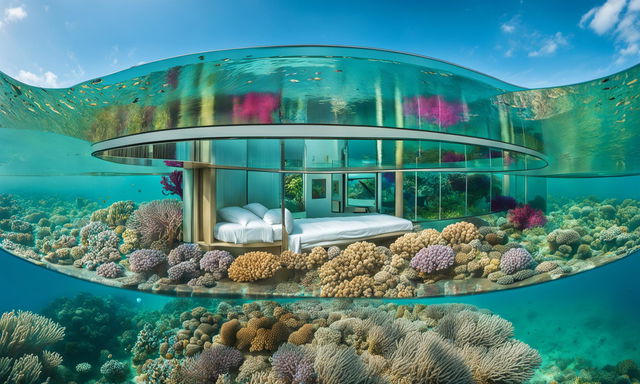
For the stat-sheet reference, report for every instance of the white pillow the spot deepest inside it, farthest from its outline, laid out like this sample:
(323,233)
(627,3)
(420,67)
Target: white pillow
(237,215)
(274,216)
(257,209)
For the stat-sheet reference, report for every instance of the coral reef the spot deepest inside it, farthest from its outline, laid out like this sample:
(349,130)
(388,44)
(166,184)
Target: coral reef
(526,217)
(158,223)
(253,266)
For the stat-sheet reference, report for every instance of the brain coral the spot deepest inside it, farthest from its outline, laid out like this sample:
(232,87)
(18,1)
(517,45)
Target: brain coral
(145,260)
(254,266)
(433,258)
(563,237)
(461,232)
(514,260)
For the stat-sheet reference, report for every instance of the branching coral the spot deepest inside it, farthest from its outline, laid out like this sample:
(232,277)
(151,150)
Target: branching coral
(293,365)
(158,223)
(358,259)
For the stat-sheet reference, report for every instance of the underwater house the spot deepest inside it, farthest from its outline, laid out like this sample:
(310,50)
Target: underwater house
(312,170)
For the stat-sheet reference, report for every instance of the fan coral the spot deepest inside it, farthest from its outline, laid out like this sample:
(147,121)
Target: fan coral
(433,258)
(292,365)
(503,203)
(172,184)
(115,371)
(110,270)
(216,262)
(184,252)
(158,223)
(514,260)
(339,365)
(526,217)
(253,266)
(145,260)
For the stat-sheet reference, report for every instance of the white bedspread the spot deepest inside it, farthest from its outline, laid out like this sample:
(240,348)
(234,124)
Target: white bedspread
(252,232)
(324,231)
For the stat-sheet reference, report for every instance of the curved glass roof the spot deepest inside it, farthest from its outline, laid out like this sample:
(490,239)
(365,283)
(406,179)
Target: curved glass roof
(586,129)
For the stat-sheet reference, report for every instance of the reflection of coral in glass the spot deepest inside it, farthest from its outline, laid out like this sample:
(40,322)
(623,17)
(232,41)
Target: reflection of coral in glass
(435,110)
(173,163)
(256,106)
(452,157)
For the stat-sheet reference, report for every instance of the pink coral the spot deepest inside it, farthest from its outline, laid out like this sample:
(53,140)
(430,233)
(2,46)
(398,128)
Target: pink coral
(514,260)
(526,217)
(433,258)
(435,110)
(256,106)
(110,270)
(145,260)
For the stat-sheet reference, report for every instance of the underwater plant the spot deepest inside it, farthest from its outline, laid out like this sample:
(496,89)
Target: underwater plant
(172,184)
(526,217)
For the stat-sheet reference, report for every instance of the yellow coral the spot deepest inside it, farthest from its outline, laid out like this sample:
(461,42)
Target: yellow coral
(459,233)
(409,244)
(304,335)
(254,266)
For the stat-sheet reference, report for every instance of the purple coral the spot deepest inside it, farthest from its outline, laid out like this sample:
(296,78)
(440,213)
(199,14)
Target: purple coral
(145,260)
(158,221)
(110,270)
(452,157)
(184,252)
(217,262)
(91,229)
(514,260)
(292,365)
(435,110)
(172,184)
(526,217)
(183,271)
(210,364)
(433,258)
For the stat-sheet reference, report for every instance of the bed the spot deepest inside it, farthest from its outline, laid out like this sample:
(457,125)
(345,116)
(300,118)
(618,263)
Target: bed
(326,231)
(251,224)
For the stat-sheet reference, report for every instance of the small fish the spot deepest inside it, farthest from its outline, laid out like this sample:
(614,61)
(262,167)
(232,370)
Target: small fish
(96,81)
(612,98)
(135,100)
(139,190)
(294,81)
(605,80)
(200,57)
(632,81)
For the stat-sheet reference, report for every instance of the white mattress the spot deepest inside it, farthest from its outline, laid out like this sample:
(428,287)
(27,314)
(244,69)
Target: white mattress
(324,231)
(252,232)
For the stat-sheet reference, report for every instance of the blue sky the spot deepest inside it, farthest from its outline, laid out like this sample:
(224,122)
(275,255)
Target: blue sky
(534,43)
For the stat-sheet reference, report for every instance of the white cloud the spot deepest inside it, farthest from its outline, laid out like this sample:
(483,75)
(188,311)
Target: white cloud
(550,45)
(47,79)
(12,15)
(605,17)
(622,21)
(507,28)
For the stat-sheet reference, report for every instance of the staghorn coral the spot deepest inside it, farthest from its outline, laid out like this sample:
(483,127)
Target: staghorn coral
(514,260)
(158,223)
(433,258)
(459,233)
(253,266)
